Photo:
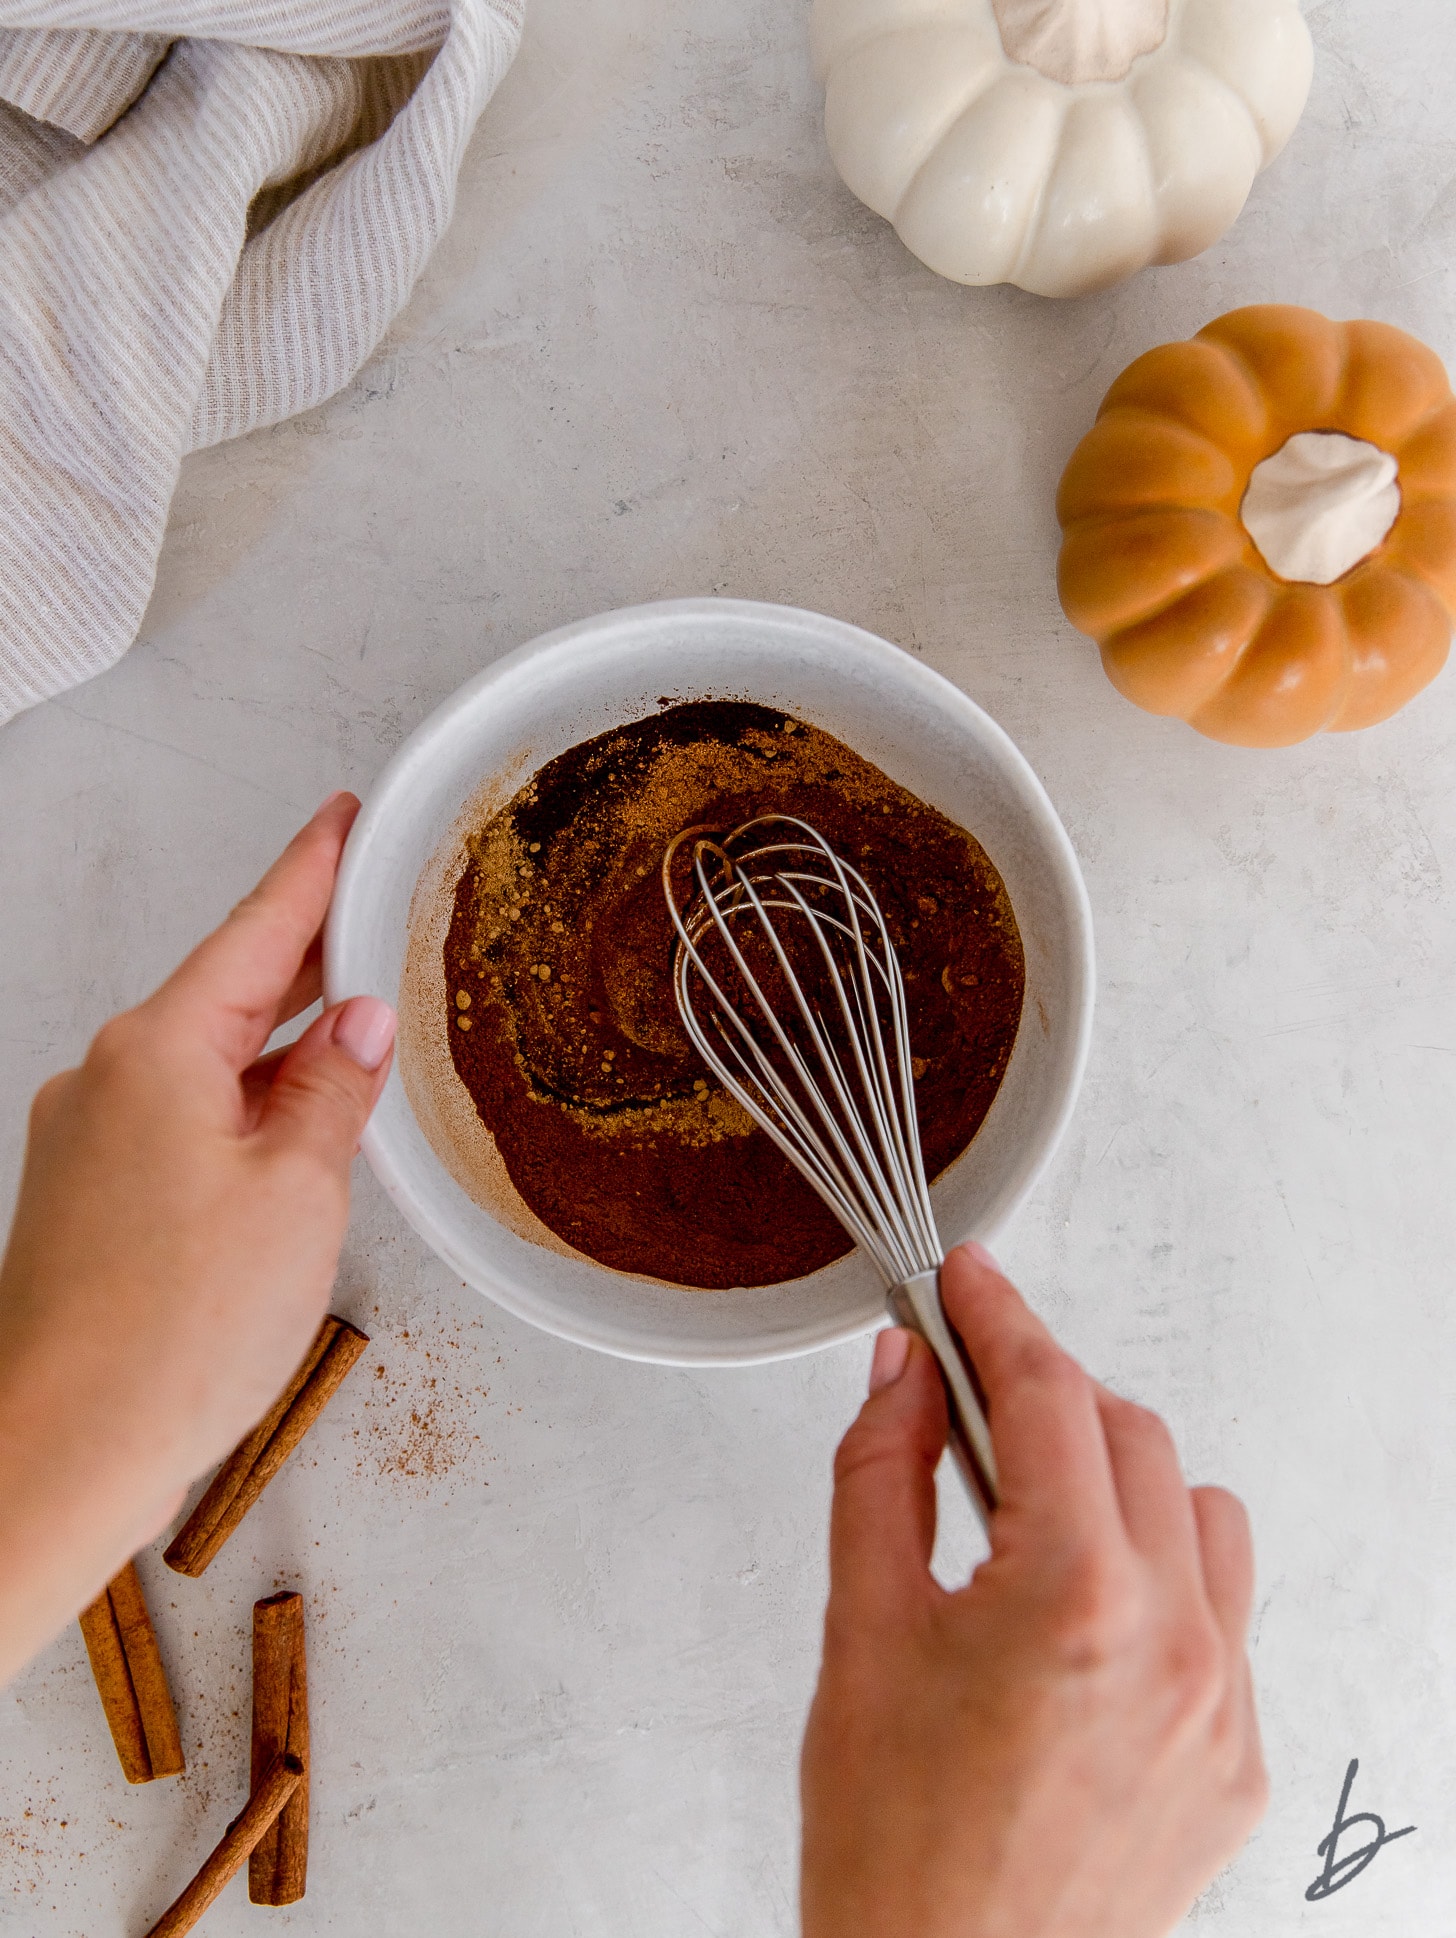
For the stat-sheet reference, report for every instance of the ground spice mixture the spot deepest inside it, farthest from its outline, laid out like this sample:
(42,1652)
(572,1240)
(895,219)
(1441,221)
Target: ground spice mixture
(563,1026)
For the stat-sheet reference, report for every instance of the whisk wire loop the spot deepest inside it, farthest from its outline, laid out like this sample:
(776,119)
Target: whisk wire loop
(855,1147)
(901,1151)
(839,1101)
(831,1080)
(863,1031)
(752,1078)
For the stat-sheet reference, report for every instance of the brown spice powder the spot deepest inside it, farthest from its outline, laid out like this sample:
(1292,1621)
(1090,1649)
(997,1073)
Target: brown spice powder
(563,1025)
(420,1409)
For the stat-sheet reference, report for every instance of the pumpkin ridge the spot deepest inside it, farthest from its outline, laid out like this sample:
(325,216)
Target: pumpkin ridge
(1196,436)
(1419,429)
(1297,590)
(1254,631)
(1424,641)
(1048,175)
(1141,684)
(1176,58)
(1426,459)
(1040,250)
(1316,331)
(1145,614)
(1077,586)
(1169,397)
(989,80)
(1392,383)
(1116,514)
(1154,427)
(1288,49)
(1378,570)
(1410,536)
(949,129)
(890,30)
(1271,726)
(1340,406)
(1180,52)
(1246,370)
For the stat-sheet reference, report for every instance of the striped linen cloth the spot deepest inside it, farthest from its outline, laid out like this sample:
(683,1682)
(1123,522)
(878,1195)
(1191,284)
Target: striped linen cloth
(210,211)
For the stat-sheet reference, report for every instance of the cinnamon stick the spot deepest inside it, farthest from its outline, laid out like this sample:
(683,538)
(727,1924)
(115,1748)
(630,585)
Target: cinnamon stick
(114,1684)
(132,1682)
(249,1468)
(278,1868)
(280,1780)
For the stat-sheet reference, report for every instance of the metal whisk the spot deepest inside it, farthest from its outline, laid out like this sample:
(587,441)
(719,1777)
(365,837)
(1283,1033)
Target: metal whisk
(805,1023)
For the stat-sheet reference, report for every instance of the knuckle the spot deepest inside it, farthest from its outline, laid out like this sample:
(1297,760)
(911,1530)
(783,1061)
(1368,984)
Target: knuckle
(320,1133)
(117,1044)
(304,1172)
(260,915)
(1222,1506)
(261,908)
(335,1090)
(1144,1433)
(1236,1722)
(1222,1501)
(1251,1787)
(1236,1754)
(46,1100)
(255,903)
(846,1635)
(1042,1363)
(1226,1544)
(866,1445)
(1149,1429)
(1099,1609)
(1195,1671)
(332,1093)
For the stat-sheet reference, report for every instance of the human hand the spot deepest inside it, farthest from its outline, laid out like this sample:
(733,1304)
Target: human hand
(176,1236)
(1067,1747)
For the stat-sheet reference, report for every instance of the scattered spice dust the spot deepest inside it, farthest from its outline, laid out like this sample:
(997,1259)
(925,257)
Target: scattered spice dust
(26,1857)
(32,1852)
(420,1409)
(562,1022)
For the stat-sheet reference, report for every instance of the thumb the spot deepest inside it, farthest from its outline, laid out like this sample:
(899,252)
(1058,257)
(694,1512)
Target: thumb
(883,1525)
(330,1080)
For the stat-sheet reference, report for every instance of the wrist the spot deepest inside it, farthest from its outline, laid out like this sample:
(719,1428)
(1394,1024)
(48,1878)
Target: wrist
(74,1507)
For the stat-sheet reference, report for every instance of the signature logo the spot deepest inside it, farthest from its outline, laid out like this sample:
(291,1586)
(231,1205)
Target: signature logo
(1340,1871)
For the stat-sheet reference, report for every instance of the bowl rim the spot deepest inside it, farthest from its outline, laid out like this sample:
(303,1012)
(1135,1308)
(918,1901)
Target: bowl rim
(415,752)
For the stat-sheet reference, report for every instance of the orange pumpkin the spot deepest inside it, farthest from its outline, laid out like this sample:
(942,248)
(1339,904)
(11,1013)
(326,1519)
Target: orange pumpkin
(1159,567)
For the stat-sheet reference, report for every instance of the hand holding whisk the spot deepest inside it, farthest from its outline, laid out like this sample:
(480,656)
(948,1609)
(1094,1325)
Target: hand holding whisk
(789,986)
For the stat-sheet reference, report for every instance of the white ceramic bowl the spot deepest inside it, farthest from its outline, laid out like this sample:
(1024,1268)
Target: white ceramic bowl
(482,744)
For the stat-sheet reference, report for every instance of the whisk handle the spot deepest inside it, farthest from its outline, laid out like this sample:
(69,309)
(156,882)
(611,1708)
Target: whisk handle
(916,1304)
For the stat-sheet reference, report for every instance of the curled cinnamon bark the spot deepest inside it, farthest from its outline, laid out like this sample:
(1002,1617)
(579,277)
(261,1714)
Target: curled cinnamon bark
(247,1471)
(278,1867)
(280,1780)
(132,1682)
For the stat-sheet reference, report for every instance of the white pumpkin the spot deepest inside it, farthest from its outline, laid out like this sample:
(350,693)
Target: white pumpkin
(1058,144)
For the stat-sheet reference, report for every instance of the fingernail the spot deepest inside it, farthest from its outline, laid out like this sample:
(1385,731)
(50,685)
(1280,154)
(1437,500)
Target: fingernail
(892,1349)
(364,1030)
(978,1251)
(324,806)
